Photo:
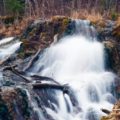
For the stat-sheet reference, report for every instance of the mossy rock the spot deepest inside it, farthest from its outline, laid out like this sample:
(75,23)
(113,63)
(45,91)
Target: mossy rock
(40,34)
(14,104)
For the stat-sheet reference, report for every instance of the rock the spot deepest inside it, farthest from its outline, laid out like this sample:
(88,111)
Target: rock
(40,33)
(112,55)
(116,32)
(14,104)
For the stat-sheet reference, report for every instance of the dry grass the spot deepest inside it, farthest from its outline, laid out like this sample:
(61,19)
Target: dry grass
(14,29)
(18,27)
(84,14)
(118,21)
(93,16)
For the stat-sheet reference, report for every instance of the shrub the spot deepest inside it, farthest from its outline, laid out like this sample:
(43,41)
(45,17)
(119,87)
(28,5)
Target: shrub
(15,7)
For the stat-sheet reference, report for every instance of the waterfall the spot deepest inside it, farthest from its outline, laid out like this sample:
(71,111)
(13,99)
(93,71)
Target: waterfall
(78,61)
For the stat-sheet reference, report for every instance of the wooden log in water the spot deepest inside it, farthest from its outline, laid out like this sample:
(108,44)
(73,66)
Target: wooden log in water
(18,73)
(106,111)
(32,60)
(50,86)
(28,79)
(42,78)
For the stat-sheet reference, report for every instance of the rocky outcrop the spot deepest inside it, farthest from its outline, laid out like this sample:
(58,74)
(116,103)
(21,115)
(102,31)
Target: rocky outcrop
(108,33)
(14,104)
(41,33)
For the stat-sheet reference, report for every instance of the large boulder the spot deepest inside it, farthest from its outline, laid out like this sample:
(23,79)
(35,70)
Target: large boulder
(41,33)
(14,104)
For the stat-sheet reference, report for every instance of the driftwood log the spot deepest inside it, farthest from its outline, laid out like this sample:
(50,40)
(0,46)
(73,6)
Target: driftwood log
(42,78)
(38,80)
(50,86)
(18,73)
(105,111)
(34,58)
(32,78)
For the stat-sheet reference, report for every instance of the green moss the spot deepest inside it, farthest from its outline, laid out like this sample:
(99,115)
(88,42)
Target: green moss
(66,21)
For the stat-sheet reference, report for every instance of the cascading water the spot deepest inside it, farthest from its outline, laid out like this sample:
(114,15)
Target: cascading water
(8,46)
(78,61)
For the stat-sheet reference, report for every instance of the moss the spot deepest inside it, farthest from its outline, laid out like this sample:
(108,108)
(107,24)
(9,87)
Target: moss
(66,21)
(42,34)
(57,18)
(32,32)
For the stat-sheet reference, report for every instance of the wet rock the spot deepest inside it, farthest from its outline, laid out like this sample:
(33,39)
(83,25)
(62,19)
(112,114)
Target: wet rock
(93,95)
(92,114)
(112,55)
(14,104)
(4,113)
(116,32)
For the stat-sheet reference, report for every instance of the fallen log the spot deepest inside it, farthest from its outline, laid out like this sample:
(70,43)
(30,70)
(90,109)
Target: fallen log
(41,78)
(9,67)
(32,60)
(32,78)
(18,73)
(50,86)
(106,111)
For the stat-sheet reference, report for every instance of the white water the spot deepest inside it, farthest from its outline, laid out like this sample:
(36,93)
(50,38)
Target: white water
(78,61)
(8,47)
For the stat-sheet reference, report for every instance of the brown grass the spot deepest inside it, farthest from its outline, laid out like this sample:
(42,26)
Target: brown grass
(95,17)
(14,29)
(18,27)
(118,21)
